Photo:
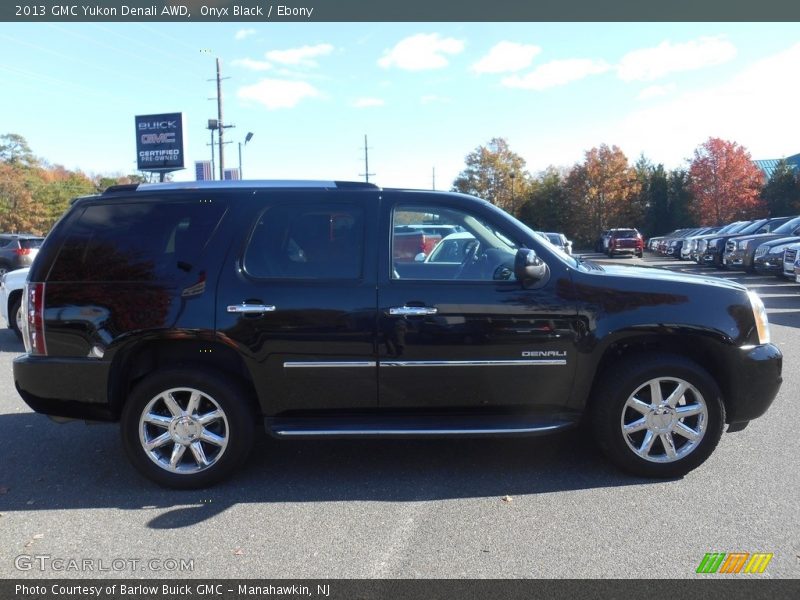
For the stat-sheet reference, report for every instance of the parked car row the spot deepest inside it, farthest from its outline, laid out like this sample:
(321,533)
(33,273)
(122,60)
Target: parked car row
(765,246)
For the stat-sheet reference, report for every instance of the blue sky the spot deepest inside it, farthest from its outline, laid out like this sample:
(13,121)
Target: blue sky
(426,94)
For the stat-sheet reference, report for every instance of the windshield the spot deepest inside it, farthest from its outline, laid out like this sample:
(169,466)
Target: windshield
(754,226)
(788,227)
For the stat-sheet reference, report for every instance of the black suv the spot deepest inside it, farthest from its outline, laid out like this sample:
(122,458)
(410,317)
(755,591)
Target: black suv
(17,250)
(195,313)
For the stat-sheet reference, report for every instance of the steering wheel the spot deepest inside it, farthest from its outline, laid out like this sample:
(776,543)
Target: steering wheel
(469,257)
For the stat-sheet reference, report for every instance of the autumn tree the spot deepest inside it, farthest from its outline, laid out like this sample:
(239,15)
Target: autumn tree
(603,188)
(495,173)
(725,183)
(781,193)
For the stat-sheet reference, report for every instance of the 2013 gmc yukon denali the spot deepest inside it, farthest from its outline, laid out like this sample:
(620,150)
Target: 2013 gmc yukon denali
(195,314)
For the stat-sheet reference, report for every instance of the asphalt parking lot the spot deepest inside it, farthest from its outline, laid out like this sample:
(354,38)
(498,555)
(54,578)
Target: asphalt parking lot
(501,508)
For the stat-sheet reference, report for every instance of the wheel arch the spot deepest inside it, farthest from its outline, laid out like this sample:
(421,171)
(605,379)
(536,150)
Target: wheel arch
(134,361)
(704,350)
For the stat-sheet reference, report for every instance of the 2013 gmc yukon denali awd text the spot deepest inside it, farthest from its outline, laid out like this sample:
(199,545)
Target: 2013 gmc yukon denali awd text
(195,314)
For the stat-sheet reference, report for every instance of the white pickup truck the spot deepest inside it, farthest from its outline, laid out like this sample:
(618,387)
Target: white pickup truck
(11,285)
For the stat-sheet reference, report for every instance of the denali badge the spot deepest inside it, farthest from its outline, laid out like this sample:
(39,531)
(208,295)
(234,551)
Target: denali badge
(544,353)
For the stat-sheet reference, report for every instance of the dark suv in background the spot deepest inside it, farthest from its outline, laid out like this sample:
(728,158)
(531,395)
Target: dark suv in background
(197,314)
(17,250)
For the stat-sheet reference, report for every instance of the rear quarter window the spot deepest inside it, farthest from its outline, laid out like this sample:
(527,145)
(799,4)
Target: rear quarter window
(136,241)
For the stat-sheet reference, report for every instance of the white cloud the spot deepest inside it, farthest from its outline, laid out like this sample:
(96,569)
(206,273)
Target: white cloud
(368,102)
(244,33)
(656,91)
(735,110)
(421,52)
(649,64)
(278,93)
(506,57)
(252,65)
(302,57)
(556,73)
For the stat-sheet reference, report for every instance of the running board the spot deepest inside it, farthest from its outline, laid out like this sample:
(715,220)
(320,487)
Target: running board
(416,426)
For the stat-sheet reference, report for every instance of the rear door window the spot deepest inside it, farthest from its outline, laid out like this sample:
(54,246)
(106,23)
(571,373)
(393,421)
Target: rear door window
(307,241)
(137,241)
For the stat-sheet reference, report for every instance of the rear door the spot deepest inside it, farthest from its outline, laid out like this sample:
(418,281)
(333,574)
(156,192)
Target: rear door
(298,296)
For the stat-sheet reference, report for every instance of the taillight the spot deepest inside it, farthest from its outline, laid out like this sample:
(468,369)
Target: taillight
(33,319)
(22,251)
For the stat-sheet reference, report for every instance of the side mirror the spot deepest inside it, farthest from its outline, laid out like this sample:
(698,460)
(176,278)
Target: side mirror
(528,268)
(420,257)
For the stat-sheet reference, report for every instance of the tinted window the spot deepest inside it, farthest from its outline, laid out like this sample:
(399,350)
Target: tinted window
(31,243)
(625,233)
(138,241)
(307,242)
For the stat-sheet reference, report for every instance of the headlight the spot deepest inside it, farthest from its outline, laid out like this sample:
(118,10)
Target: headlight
(760,315)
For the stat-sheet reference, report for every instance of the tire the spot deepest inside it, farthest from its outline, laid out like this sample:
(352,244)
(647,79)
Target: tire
(15,316)
(223,442)
(614,406)
(4,268)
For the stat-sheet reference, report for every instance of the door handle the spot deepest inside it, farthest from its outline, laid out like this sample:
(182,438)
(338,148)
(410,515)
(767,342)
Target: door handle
(251,309)
(413,311)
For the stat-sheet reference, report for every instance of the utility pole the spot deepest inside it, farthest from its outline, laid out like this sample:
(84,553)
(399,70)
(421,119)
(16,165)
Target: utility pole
(433,179)
(221,124)
(366,172)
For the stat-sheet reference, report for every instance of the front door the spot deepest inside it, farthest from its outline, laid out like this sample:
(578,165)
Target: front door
(298,297)
(455,328)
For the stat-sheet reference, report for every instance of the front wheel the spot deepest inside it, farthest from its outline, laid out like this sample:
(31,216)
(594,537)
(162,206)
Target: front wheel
(187,429)
(661,416)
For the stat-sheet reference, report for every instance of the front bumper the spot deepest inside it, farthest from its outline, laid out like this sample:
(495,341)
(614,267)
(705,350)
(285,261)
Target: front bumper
(75,388)
(769,264)
(734,259)
(754,381)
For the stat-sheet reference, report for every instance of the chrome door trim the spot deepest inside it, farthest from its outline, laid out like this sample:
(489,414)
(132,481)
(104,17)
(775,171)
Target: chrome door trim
(249,309)
(473,363)
(413,311)
(325,364)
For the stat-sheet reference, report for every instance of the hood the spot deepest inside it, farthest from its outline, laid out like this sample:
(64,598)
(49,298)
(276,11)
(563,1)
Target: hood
(760,238)
(656,274)
(789,239)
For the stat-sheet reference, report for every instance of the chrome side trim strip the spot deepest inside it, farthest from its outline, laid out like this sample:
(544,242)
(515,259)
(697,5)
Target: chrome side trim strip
(415,432)
(472,363)
(328,364)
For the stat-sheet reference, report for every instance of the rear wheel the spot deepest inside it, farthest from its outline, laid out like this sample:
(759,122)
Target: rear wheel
(661,416)
(187,429)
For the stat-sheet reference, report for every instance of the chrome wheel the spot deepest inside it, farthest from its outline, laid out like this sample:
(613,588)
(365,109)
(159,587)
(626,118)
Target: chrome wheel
(664,420)
(183,430)
(18,318)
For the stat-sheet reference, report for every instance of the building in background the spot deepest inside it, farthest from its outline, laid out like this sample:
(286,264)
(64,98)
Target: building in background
(202,170)
(769,165)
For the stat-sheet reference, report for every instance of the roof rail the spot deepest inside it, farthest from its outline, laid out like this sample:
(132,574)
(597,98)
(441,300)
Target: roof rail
(244,184)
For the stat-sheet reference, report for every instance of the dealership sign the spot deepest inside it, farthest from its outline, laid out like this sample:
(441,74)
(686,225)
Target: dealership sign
(159,142)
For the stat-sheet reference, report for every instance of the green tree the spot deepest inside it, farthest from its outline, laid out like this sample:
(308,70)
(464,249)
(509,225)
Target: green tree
(782,191)
(14,150)
(547,207)
(495,173)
